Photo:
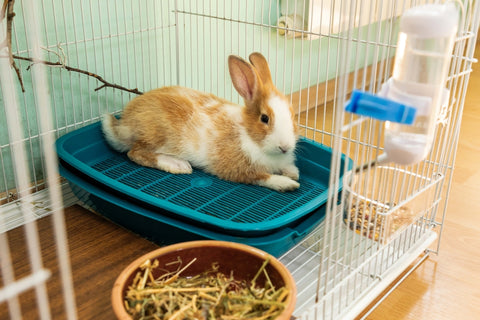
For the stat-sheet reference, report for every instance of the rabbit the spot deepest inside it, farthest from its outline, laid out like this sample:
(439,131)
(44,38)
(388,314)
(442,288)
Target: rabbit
(174,128)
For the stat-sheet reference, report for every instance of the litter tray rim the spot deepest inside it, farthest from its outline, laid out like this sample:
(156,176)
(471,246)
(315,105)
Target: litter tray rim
(185,212)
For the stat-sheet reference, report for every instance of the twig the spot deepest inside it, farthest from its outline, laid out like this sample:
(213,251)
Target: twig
(4,9)
(7,10)
(264,264)
(3,12)
(62,59)
(73,69)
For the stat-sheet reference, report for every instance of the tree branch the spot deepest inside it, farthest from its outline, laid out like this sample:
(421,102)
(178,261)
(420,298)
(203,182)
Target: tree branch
(7,9)
(73,69)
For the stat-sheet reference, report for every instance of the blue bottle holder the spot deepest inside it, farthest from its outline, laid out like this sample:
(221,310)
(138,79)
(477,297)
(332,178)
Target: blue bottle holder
(374,106)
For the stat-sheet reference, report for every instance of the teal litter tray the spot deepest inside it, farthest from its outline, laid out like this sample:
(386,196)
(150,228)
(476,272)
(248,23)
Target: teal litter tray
(165,230)
(200,199)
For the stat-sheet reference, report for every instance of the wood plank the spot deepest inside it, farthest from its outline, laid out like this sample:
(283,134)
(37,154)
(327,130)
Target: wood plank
(99,251)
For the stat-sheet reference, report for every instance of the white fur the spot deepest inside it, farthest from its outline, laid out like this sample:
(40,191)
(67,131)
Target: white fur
(251,148)
(280,183)
(173,164)
(198,153)
(192,152)
(268,153)
(291,171)
(282,135)
(234,112)
(116,141)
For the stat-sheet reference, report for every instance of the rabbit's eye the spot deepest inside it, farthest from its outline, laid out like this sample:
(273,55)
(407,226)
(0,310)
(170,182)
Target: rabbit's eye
(264,118)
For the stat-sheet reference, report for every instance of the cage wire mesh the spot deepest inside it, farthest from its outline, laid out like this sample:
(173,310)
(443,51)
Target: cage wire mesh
(80,59)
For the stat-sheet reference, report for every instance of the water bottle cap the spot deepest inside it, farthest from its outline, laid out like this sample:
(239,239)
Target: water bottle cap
(430,21)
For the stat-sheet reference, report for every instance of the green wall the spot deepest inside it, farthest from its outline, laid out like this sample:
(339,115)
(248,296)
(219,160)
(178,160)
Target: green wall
(146,44)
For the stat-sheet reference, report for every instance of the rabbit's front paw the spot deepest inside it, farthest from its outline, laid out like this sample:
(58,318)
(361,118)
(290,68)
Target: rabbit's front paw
(280,183)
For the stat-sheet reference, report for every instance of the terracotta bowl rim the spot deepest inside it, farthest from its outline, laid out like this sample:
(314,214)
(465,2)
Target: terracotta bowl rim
(117,298)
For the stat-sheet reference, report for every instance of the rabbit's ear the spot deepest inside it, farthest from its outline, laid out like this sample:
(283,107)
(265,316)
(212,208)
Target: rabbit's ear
(244,77)
(261,64)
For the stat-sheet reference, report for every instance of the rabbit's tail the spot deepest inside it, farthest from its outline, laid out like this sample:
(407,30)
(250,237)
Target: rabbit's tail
(118,136)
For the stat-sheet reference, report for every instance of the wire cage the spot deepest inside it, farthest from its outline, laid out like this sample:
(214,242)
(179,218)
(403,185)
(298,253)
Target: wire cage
(66,63)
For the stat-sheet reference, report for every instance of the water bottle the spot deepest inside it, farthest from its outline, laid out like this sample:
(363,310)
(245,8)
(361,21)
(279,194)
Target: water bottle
(424,48)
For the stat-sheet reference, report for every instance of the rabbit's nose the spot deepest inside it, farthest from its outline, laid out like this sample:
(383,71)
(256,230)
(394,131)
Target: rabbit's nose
(284,149)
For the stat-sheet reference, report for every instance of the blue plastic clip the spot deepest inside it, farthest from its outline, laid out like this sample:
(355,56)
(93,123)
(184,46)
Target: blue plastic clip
(370,105)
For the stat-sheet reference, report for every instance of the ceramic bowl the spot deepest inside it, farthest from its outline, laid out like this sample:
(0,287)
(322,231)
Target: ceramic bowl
(243,260)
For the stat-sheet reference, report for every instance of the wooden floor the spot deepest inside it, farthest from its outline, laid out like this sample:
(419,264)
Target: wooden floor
(99,250)
(446,286)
